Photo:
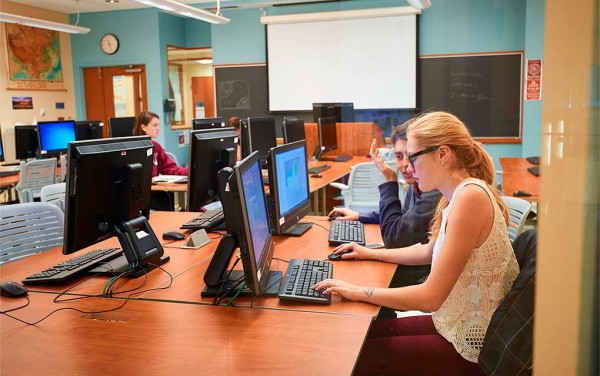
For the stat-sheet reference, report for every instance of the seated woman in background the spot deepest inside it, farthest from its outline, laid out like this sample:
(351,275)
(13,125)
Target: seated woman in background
(148,124)
(234,122)
(473,265)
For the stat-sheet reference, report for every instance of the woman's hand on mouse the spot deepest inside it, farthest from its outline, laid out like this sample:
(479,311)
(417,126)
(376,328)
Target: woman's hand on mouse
(355,251)
(344,289)
(344,214)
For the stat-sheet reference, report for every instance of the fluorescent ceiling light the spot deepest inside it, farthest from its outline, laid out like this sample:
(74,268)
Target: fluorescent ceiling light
(44,24)
(186,10)
(205,60)
(340,15)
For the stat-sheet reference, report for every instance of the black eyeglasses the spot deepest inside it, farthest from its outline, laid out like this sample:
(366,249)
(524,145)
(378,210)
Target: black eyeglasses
(413,157)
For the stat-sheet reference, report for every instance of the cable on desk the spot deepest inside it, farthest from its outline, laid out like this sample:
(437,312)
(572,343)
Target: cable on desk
(16,308)
(230,302)
(318,224)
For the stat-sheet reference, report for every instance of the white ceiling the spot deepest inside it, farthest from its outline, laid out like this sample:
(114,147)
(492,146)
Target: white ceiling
(84,6)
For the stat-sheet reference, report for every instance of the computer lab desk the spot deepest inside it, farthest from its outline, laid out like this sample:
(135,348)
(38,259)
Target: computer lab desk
(516,177)
(174,330)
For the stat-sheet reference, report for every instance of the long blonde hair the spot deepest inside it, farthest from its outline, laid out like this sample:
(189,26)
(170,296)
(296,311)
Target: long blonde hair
(442,128)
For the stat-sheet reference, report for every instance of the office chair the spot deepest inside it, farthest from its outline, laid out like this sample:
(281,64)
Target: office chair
(173,157)
(361,193)
(29,228)
(34,175)
(517,215)
(508,343)
(54,194)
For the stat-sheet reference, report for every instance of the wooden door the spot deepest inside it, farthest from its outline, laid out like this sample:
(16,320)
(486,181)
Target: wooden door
(203,90)
(114,92)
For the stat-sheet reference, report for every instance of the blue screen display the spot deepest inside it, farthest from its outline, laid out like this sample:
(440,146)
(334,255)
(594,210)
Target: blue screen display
(256,209)
(292,186)
(56,135)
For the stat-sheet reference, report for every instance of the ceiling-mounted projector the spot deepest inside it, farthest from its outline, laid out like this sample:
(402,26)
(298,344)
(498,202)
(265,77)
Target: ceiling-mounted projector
(420,4)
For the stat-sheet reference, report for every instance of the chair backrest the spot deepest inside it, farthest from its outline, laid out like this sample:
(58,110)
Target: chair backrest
(363,192)
(29,228)
(55,194)
(173,157)
(34,175)
(508,343)
(517,215)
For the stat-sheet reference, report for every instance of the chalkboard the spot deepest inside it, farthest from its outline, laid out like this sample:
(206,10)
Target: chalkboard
(241,90)
(483,90)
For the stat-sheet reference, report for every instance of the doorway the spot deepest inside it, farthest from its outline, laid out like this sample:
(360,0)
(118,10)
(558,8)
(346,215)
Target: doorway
(114,92)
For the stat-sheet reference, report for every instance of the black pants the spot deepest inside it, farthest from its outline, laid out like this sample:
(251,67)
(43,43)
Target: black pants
(162,201)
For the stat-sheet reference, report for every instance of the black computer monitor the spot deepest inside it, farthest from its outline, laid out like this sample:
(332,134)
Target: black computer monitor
(210,151)
(258,134)
(288,187)
(107,194)
(121,126)
(27,142)
(342,111)
(245,208)
(55,136)
(1,148)
(208,123)
(327,133)
(88,130)
(293,130)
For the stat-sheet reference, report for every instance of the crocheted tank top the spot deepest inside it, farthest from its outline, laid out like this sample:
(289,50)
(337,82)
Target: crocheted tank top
(488,276)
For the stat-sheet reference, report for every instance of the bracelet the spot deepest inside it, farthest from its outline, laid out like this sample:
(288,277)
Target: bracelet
(369,291)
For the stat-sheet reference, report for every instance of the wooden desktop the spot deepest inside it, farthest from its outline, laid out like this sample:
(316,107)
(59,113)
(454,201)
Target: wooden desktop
(161,332)
(516,177)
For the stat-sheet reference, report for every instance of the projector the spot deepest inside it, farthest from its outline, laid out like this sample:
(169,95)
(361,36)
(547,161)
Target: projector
(420,4)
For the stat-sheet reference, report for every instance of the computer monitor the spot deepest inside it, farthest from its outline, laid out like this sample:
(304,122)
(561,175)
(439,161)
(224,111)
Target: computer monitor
(55,136)
(245,208)
(327,133)
(107,194)
(208,123)
(121,126)
(258,134)
(288,187)
(27,142)
(1,148)
(210,151)
(343,112)
(293,130)
(88,130)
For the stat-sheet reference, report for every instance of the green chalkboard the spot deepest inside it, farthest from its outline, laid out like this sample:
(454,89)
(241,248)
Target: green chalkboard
(483,90)
(241,90)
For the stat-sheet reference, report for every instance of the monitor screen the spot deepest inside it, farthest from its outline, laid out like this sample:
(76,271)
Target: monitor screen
(27,143)
(258,134)
(289,189)
(55,137)
(327,133)
(121,126)
(343,111)
(293,130)
(208,123)
(245,208)
(1,148)
(210,151)
(88,130)
(108,188)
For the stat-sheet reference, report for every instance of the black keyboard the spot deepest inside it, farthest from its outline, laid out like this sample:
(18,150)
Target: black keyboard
(74,267)
(8,173)
(300,275)
(317,169)
(534,170)
(534,160)
(206,220)
(342,232)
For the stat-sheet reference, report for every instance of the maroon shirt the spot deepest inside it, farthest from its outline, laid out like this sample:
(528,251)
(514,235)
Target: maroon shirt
(163,164)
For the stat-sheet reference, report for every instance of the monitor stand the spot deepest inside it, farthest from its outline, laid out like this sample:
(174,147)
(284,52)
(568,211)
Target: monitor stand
(296,230)
(231,286)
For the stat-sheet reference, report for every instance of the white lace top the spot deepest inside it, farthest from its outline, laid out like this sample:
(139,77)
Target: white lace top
(488,276)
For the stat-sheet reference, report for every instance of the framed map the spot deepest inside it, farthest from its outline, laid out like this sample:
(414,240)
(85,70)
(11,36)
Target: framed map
(34,61)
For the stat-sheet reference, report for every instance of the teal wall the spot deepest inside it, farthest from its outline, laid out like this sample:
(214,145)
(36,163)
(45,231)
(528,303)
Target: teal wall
(456,26)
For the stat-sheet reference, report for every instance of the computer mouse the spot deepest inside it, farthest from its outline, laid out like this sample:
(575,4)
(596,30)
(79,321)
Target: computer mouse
(521,194)
(336,257)
(316,176)
(334,216)
(173,235)
(12,289)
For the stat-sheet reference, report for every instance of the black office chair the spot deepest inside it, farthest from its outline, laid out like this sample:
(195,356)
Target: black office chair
(508,344)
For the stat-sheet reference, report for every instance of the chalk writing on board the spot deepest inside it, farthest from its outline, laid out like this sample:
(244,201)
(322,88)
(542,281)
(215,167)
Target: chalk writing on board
(465,85)
(234,95)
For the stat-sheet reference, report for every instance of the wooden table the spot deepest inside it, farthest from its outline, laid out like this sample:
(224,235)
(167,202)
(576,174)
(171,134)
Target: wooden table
(516,177)
(154,338)
(179,190)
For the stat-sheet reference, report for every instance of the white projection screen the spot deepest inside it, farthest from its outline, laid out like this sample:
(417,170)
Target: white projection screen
(370,62)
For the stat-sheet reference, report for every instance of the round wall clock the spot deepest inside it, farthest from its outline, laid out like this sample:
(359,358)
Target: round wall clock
(110,44)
